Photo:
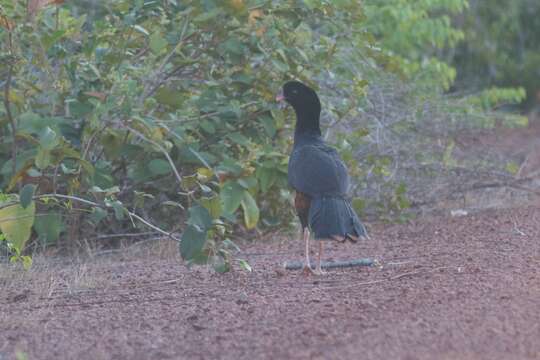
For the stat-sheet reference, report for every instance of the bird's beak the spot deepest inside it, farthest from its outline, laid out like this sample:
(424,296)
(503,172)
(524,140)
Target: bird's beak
(280,97)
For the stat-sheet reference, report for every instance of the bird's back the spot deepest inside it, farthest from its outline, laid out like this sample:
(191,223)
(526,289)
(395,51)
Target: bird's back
(316,169)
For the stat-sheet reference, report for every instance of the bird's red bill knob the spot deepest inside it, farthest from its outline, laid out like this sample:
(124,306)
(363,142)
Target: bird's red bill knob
(280,97)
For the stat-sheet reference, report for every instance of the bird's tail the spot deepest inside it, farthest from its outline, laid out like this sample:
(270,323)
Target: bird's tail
(332,217)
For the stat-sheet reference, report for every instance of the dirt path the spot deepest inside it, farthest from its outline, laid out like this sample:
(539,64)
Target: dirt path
(458,288)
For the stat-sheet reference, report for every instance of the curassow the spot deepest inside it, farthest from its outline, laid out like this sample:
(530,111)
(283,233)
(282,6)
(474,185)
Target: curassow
(318,176)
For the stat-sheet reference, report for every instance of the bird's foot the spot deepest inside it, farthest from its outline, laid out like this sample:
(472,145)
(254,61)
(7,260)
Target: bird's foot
(307,270)
(320,272)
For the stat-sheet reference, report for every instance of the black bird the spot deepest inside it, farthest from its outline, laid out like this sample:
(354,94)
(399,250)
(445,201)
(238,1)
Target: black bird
(318,176)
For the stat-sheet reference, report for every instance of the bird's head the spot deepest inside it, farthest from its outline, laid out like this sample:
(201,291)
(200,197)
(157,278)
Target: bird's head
(301,97)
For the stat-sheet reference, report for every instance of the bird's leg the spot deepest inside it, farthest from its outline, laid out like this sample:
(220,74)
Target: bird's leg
(319,270)
(307,270)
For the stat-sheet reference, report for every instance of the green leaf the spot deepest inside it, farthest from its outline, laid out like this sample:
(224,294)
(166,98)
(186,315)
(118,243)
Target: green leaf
(43,158)
(213,205)
(119,209)
(79,109)
(107,192)
(159,167)
(172,203)
(208,126)
(243,78)
(232,46)
(312,4)
(98,214)
(231,166)
(49,227)
(32,172)
(207,15)
(49,40)
(267,177)
(282,67)
(239,138)
(199,216)
(269,125)
(247,182)
(204,174)
(170,97)
(48,139)
(157,43)
(26,194)
(190,182)
(26,261)
(16,224)
(231,196)
(140,198)
(251,210)
(219,264)
(199,156)
(512,167)
(141,30)
(244,265)
(192,243)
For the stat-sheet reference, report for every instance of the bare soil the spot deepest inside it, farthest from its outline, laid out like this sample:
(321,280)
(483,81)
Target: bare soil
(449,288)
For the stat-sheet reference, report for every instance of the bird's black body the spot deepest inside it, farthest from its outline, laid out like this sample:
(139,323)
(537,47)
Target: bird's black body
(317,173)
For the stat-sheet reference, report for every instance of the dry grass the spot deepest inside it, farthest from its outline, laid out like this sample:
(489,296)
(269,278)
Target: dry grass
(48,276)
(51,274)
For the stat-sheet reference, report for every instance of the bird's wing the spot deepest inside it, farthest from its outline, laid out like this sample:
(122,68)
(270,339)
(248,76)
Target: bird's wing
(316,170)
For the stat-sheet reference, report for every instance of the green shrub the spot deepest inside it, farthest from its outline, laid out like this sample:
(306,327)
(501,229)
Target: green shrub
(161,109)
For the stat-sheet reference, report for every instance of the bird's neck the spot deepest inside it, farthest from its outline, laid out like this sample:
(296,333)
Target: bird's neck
(307,126)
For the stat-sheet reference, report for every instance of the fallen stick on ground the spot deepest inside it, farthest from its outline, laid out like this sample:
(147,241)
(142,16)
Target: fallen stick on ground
(297,265)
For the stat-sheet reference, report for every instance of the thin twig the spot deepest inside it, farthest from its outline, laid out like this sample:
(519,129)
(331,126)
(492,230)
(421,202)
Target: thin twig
(91,203)
(110,236)
(91,140)
(410,273)
(161,148)
(396,277)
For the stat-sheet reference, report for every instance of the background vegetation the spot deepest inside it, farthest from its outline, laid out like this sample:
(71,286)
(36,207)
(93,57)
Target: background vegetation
(501,47)
(158,117)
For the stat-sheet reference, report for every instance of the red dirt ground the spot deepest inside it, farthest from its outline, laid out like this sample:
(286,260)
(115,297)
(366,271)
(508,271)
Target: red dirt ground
(449,288)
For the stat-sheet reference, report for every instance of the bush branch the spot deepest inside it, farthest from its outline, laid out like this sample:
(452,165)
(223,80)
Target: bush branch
(91,203)
(161,148)
(7,105)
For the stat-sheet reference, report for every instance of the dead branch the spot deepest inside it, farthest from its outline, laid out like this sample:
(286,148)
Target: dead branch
(296,265)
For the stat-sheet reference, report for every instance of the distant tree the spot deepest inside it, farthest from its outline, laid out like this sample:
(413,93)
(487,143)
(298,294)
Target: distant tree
(414,33)
(501,46)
